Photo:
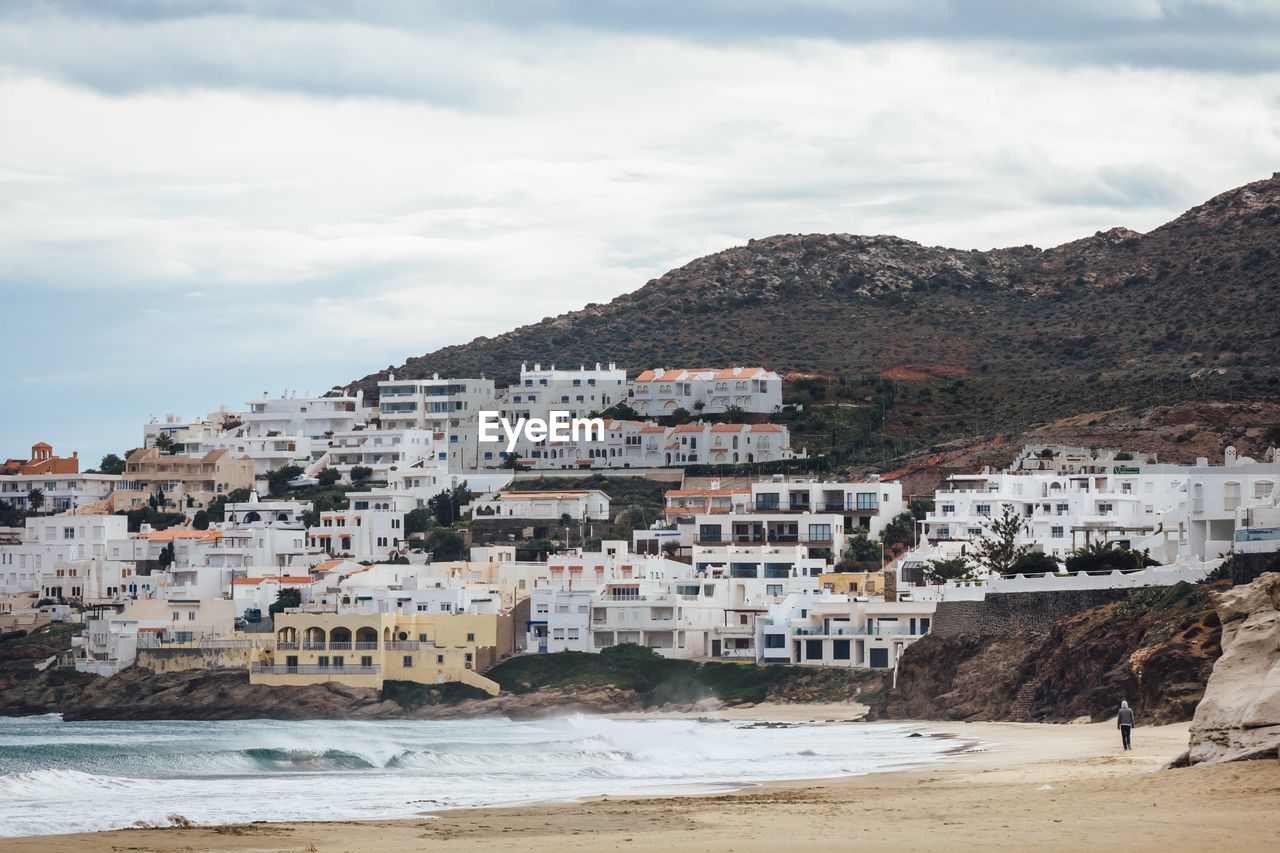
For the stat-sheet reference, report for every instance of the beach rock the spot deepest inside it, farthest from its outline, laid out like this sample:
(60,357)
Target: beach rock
(1239,717)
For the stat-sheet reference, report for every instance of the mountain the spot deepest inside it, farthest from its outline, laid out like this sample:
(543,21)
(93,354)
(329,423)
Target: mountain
(973,341)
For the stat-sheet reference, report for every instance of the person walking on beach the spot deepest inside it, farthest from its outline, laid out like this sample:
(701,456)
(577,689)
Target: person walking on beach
(1124,722)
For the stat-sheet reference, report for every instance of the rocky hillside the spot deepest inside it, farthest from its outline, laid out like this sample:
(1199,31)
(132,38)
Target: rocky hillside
(1154,649)
(978,340)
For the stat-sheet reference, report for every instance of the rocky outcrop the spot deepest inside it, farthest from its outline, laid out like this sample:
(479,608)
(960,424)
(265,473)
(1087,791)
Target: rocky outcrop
(1155,649)
(1239,717)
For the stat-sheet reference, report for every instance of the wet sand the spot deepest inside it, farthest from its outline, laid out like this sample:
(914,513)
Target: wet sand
(1031,787)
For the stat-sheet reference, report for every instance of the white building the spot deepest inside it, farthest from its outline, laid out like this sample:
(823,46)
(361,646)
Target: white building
(371,528)
(61,492)
(50,542)
(1172,511)
(383,451)
(578,392)
(583,505)
(794,528)
(710,391)
(837,630)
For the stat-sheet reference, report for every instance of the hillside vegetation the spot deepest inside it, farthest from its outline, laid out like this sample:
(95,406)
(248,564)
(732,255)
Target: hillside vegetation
(893,345)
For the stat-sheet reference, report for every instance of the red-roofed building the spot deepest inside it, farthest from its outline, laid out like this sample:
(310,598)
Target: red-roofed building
(706,390)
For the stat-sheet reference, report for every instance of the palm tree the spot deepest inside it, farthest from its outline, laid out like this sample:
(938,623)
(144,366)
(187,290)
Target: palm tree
(35,500)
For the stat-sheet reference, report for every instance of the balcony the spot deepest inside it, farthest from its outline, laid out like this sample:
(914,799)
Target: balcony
(308,669)
(365,647)
(313,646)
(339,647)
(287,647)
(403,646)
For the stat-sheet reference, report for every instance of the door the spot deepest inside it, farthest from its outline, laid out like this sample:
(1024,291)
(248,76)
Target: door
(879,658)
(715,648)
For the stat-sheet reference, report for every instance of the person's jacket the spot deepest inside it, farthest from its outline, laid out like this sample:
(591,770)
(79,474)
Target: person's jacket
(1124,718)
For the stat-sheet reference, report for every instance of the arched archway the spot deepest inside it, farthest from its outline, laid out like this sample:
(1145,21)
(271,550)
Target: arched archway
(314,638)
(366,638)
(340,637)
(250,517)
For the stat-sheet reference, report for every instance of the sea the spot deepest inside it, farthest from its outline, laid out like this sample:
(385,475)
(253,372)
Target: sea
(58,777)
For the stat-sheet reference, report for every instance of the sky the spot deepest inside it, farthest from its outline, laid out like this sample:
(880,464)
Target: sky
(200,202)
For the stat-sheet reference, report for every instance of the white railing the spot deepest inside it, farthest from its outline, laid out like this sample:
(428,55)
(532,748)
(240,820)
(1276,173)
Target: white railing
(309,669)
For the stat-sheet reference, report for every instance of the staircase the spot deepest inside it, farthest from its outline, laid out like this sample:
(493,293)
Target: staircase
(1020,711)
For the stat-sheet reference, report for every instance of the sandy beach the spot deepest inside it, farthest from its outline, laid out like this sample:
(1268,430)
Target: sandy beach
(1063,787)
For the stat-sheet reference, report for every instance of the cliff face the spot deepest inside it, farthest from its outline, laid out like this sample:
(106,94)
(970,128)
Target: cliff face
(1240,715)
(1154,649)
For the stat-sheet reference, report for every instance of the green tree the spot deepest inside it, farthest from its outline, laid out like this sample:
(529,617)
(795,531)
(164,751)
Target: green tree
(920,507)
(163,443)
(734,415)
(862,548)
(166,557)
(681,416)
(111,464)
(512,460)
(952,569)
(900,532)
(445,545)
(1103,556)
(361,474)
(310,518)
(328,477)
(278,479)
(446,506)
(997,549)
(290,596)
(419,520)
(1035,563)
(201,520)
(35,499)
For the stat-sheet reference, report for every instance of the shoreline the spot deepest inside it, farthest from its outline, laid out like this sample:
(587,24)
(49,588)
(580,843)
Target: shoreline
(1005,787)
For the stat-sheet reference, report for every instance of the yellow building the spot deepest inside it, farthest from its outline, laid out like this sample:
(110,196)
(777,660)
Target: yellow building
(853,583)
(366,649)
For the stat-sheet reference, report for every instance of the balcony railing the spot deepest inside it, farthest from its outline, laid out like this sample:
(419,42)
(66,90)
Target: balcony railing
(403,645)
(308,669)
(340,647)
(313,646)
(287,647)
(366,647)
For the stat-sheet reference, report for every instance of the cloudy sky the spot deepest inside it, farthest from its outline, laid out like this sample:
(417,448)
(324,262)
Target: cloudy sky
(200,202)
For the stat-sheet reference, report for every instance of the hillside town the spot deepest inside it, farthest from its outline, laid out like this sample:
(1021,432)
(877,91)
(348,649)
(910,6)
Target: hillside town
(313,539)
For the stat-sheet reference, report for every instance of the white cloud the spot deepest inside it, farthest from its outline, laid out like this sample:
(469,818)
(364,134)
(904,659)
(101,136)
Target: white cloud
(319,199)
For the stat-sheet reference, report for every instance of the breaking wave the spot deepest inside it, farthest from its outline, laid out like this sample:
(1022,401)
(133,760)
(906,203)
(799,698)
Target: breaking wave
(65,777)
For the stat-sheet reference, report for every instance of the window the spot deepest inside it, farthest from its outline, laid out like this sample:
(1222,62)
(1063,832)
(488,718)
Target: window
(819,532)
(471,638)
(191,616)
(1105,509)
(439,659)
(773,589)
(1262,489)
(983,509)
(1055,532)
(573,633)
(408,661)
(775,641)
(68,533)
(557,634)
(867,500)
(366,660)
(768,500)
(708,533)
(422,638)
(947,509)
